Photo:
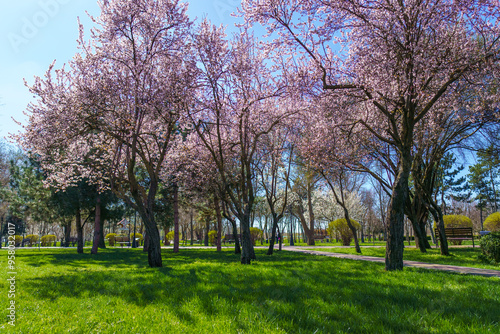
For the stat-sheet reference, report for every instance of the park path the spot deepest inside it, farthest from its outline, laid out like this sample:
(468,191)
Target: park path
(414,264)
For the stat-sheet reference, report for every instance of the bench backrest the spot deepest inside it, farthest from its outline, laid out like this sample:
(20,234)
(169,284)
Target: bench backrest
(456,232)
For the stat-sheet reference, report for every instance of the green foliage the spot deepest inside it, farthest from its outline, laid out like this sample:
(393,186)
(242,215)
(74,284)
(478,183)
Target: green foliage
(137,235)
(448,184)
(341,228)
(33,238)
(212,236)
(48,240)
(255,234)
(492,223)
(483,177)
(170,235)
(490,245)
(19,239)
(111,238)
(451,221)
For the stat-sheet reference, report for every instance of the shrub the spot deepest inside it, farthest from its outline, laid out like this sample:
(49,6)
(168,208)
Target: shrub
(137,235)
(170,235)
(453,221)
(255,234)
(48,240)
(492,223)
(340,226)
(111,238)
(212,236)
(490,245)
(33,239)
(19,240)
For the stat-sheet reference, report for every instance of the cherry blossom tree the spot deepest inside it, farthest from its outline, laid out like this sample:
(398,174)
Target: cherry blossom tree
(237,106)
(273,169)
(114,113)
(398,61)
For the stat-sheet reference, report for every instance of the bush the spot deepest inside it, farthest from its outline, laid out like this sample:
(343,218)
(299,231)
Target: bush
(170,235)
(111,238)
(490,245)
(19,240)
(33,239)
(137,235)
(492,223)
(453,221)
(212,236)
(48,240)
(255,234)
(340,226)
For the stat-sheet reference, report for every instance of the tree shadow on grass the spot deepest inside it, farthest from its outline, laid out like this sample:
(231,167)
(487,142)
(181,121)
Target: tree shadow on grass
(300,292)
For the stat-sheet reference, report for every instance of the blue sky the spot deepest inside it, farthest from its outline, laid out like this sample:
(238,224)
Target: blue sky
(33,33)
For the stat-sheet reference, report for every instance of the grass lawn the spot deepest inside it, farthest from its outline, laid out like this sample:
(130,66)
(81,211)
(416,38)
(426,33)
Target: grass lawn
(465,257)
(201,291)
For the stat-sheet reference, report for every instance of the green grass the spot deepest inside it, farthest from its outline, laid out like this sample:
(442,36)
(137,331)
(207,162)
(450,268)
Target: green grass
(201,291)
(465,257)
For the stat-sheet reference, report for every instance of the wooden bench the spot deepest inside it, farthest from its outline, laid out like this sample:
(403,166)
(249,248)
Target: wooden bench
(319,237)
(229,238)
(122,240)
(457,233)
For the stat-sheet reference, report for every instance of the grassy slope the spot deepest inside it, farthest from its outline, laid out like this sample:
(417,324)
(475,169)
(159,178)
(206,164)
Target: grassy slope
(465,257)
(200,291)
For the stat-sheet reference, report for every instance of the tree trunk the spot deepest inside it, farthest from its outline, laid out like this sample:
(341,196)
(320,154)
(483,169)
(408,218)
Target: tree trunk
(145,247)
(395,219)
(420,236)
(152,242)
(207,229)
(280,240)
(237,248)
(219,223)
(270,249)
(247,250)
(415,211)
(102,244)
(310,235)
(79,231)
(176,218)
(443,242)
(353,230)
(67,233)
(191,226)
(97,226)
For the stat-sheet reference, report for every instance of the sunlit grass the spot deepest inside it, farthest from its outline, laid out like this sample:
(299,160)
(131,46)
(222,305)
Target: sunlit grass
(201,291)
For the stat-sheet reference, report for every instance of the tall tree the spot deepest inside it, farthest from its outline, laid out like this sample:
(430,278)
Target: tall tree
(115,112)
(398,59)
(483,178)
(237,107)
(273,175)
